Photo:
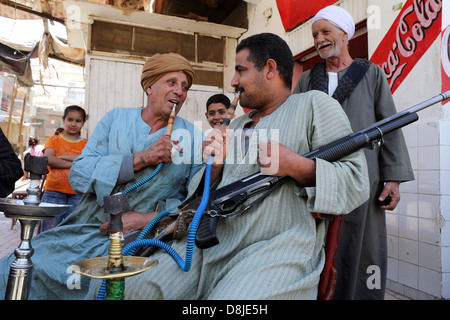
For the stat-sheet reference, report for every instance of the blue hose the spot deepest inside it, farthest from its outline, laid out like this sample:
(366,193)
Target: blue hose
(148,228)
(152,223)
(184,265)
(145,180)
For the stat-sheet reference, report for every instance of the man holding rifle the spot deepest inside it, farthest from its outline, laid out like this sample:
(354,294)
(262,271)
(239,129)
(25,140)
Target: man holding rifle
(275,249)
(363,91)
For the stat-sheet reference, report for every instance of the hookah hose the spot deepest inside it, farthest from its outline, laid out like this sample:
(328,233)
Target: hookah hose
(184,265)
(145,180)
(147,229)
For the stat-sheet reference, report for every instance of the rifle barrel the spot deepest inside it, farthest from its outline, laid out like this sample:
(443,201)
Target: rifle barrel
(363,138)
(423,105)
(228,198)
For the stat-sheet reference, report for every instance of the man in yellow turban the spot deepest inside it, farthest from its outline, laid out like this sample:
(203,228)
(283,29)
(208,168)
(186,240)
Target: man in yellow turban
(166,78)
(159,64)
(124,148)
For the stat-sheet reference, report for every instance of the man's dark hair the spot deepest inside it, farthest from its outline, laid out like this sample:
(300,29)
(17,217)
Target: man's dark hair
(265,46)
(218,98)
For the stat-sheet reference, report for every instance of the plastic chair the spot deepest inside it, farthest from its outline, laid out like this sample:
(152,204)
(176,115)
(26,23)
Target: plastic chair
(20,195)
(327,283)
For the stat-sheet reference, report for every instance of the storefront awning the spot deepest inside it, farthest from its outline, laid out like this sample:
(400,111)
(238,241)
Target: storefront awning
(18,63)
(296,12)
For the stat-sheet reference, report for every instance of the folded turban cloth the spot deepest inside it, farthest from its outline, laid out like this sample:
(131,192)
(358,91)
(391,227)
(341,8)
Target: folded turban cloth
(339,17)
(159,64)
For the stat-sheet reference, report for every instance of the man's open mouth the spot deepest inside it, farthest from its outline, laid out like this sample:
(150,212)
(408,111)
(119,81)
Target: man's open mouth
(323,45)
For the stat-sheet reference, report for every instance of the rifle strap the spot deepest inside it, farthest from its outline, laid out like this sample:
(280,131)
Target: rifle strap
(348,83)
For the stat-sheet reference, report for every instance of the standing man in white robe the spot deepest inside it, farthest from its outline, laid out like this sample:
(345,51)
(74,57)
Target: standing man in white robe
(363,92)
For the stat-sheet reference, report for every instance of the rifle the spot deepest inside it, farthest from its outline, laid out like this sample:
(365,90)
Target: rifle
(224,201)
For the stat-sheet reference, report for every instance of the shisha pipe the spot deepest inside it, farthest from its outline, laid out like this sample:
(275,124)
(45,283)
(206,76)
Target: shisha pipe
(29,211)
(115,205)
(115,267)
(171,121)
(231,110)
(170,128)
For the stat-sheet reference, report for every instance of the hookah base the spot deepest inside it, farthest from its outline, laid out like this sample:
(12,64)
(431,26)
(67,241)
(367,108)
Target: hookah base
(115,289)
(97,267)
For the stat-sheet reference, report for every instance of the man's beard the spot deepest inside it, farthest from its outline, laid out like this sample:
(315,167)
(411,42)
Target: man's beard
(333,51)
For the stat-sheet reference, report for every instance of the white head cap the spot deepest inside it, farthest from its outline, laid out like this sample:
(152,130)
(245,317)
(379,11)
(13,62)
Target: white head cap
(339,17)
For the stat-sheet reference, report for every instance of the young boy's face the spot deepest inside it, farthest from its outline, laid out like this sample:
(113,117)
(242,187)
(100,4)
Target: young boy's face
(215,114)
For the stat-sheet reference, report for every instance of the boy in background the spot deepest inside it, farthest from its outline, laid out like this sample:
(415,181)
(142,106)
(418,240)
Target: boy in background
(217,109)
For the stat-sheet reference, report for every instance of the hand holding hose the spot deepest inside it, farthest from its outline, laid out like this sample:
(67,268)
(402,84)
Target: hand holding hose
(159,152)
(216,144)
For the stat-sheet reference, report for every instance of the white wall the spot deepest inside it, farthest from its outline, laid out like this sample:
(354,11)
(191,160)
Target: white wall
(414,229)
(444,139)
(113,82)
(260,20)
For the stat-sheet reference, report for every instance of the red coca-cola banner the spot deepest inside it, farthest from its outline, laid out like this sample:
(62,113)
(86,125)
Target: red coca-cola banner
(417,26)
(295,12)
(445,54)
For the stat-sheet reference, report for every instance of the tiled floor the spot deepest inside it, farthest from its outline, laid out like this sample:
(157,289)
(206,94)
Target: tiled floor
(391,295)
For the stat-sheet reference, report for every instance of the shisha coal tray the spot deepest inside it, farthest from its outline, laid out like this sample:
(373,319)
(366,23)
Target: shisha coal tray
(19,208)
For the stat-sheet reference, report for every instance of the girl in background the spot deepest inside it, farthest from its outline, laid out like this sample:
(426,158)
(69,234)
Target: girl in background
(35,148)
(61,150)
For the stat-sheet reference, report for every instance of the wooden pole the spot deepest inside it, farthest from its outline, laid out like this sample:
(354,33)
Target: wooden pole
(13,99)
(25,99)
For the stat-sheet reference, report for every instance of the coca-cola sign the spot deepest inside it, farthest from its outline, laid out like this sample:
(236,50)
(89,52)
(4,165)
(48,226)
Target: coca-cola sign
(445,54)
(415,29)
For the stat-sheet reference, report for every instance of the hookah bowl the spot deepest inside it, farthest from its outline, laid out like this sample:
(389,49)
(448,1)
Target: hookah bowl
(28,211)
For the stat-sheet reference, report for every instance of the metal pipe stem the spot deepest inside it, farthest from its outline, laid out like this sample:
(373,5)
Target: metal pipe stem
(21,270)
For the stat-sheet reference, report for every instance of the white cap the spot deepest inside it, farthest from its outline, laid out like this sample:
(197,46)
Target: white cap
(339,17)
